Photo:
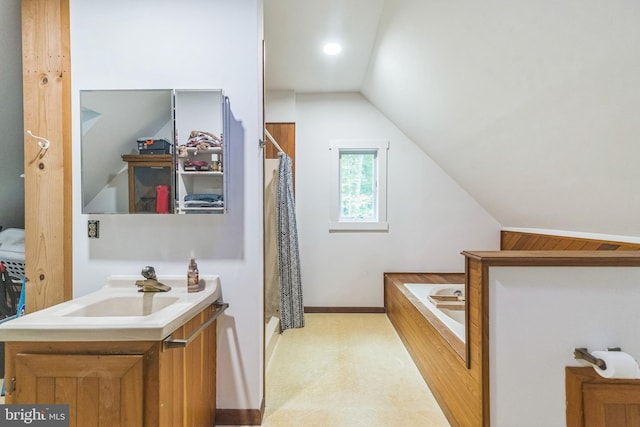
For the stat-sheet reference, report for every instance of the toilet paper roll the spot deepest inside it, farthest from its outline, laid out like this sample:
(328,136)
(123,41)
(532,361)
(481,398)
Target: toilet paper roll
(619,364)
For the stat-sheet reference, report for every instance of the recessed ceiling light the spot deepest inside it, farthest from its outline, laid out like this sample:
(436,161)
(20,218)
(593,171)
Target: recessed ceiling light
(332,48)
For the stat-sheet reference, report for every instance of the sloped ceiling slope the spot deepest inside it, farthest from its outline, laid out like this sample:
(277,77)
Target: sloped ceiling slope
(531,106)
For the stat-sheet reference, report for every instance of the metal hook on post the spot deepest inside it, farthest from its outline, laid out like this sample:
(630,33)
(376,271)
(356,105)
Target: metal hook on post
(42,142)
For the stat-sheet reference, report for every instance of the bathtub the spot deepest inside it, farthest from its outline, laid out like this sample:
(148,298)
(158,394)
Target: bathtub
(454,320)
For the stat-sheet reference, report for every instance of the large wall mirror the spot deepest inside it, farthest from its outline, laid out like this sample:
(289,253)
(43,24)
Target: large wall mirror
(136,143)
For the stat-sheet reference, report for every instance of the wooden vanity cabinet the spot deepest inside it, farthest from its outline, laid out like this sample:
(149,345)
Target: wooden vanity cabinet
(594,401)
(120,383)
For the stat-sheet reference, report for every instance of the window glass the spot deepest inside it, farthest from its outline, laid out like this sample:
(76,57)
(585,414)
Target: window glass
(358,198)
(358,185)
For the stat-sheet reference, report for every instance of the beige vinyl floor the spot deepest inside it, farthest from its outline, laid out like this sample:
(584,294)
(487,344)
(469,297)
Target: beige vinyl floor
(346,370)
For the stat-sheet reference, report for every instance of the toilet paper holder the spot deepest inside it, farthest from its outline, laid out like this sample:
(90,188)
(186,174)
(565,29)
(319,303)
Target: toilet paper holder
(583,353)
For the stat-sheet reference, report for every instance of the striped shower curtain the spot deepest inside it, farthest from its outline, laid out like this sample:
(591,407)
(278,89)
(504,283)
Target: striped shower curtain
(291,306)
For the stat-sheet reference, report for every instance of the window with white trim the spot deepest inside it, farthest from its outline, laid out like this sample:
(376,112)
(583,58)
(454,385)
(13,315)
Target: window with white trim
(358,185)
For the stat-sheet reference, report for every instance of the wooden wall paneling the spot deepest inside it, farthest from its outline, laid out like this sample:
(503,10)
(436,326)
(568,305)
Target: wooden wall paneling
(515,240)
(47,113)
(285,136)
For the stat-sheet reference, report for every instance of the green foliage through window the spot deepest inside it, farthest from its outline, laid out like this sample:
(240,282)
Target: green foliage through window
(358,184)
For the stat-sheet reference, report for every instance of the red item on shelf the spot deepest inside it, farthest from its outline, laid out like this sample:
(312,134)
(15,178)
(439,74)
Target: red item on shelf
(162,199)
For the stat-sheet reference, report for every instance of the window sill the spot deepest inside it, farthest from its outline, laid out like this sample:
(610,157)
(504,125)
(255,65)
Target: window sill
(358,226)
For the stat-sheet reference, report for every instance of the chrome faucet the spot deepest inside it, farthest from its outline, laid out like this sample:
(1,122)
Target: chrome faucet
(150,283)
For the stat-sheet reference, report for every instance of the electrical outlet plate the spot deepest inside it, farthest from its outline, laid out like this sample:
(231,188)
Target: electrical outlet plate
(93,229)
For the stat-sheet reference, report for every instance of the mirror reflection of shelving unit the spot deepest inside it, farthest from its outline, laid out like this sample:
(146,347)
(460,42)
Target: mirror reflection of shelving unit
(200,151)
(119,178)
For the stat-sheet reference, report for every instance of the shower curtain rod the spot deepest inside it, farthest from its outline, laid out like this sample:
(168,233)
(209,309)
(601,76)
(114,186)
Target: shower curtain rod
(273,141)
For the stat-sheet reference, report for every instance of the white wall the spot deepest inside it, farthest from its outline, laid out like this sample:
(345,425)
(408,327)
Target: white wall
(191,44)
(280,106)
(530,106)
(12,135)
(431,219)
(538,315)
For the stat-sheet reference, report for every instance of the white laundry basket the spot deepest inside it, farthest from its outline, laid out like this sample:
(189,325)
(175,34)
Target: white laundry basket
(12,252)
(12,256)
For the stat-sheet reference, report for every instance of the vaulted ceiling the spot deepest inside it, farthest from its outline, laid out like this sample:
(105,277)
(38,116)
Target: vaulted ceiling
(530,106)
(295,32)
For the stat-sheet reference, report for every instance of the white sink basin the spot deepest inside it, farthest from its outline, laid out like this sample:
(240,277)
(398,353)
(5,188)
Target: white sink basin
(117,312)
(137,305)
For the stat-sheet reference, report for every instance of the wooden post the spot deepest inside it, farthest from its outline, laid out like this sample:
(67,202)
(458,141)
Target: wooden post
(47,113)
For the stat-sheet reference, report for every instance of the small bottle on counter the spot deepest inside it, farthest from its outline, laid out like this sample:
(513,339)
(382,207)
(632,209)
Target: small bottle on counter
(215,163)
(193,279)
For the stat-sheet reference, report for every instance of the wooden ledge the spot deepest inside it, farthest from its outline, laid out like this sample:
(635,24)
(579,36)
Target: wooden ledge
(556,258)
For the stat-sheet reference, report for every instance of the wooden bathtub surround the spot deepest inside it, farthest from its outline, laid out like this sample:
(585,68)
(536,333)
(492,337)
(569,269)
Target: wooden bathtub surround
(460,382)
(436,279)
(457,389)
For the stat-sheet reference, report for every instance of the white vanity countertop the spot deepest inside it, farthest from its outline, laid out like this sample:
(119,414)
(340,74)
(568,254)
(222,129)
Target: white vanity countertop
(116,313)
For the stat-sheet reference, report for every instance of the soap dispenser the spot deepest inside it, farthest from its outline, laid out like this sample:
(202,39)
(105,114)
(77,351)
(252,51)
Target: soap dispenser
(193,281)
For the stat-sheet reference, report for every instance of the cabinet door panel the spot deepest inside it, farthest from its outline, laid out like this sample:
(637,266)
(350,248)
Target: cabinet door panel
(88,400)
(611,405)
(188,395)
(64,391)
(100,379)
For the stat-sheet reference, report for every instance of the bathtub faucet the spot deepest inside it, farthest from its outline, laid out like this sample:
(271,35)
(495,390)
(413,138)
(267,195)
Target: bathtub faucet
(150,283)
